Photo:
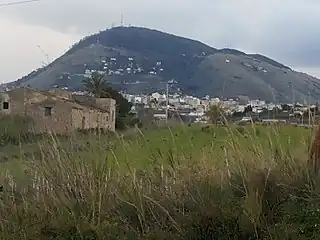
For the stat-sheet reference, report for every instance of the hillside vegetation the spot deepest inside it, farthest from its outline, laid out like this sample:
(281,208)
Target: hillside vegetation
(187,182)
(141,60)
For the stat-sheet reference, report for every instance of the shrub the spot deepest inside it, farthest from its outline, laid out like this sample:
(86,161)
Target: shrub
(102,131)
(15,128)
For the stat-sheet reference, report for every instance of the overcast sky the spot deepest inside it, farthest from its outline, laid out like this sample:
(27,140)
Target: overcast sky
(285,30)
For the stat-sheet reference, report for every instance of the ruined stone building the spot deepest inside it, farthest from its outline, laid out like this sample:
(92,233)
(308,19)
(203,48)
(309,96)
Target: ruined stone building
(59,111)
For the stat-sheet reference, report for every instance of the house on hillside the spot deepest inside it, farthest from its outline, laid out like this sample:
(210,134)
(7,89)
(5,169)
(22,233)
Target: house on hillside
(59,111)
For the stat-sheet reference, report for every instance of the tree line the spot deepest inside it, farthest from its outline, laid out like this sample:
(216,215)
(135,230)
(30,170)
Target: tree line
(217,112)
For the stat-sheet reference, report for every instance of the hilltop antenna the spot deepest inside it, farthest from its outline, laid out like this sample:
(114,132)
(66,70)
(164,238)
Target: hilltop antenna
(121,22)
(45,54)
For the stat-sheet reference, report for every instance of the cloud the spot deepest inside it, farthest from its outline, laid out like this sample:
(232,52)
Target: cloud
(281,29)
(19,49)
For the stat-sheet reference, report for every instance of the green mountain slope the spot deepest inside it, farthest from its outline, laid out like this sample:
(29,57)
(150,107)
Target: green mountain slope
(141,60)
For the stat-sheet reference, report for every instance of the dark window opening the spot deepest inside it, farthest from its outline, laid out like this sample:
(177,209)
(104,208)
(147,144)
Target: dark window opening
(5,105)
(47,111)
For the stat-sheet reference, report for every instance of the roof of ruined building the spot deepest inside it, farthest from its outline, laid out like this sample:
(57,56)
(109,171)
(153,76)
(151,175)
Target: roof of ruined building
(53,101)
(78,102)
(84,100)
(88,101)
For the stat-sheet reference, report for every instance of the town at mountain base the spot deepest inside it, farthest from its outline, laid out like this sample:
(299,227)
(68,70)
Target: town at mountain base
(141,60)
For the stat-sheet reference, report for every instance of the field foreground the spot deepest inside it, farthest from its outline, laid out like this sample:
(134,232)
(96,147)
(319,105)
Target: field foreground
(180,183)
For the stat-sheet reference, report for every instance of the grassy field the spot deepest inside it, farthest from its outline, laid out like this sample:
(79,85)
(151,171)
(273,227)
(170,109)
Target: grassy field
(186,182)
(212,143)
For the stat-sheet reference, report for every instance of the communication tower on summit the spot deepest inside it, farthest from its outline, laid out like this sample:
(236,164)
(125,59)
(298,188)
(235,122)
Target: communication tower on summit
(121,21)
(45,54)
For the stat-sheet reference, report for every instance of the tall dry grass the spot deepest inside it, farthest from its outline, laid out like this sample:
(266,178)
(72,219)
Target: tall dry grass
(234,191)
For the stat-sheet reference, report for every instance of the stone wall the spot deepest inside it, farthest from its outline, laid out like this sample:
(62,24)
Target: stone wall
(59,120)
(109,105)
(60,114)
(16,103)
(5,107)
(90,119)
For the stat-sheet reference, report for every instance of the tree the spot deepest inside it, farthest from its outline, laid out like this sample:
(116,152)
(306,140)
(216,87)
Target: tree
(237,114)
(124,117)
(286,107)
(154,102)
(247,109)
(95,84)
(215,113)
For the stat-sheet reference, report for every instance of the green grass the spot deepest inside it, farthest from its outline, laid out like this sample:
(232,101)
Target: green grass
(194,143)
(197,182)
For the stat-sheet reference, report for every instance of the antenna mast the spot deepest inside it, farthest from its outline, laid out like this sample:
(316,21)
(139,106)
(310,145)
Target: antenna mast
(45,54)
(121,23)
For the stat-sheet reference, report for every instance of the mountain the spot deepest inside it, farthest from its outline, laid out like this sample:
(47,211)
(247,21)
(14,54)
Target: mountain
(141,60)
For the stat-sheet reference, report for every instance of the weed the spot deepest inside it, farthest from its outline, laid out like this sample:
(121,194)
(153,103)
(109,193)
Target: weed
(186,182)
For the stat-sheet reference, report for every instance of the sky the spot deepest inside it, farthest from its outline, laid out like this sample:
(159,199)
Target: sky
(288,31)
